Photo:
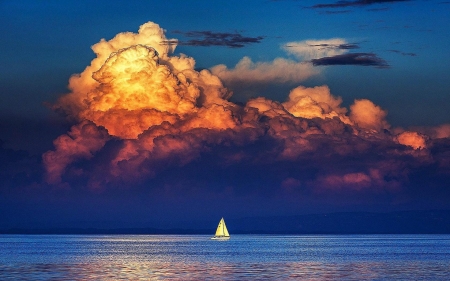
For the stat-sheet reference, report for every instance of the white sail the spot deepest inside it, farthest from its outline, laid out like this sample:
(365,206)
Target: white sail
(222,231)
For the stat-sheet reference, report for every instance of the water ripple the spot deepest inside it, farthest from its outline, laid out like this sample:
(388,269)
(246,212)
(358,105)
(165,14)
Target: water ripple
(244,257)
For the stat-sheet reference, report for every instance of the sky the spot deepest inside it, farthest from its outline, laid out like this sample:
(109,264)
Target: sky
(146,113)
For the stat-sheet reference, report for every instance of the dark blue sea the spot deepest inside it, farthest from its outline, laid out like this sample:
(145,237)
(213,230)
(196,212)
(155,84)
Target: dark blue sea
(243,257)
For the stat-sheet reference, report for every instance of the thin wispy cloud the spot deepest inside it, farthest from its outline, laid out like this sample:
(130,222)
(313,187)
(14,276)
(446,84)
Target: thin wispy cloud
(378,9)
(346,46)
(354,3)
(209,38)
(336,12)
(403,53)
(362,59)
(314,49)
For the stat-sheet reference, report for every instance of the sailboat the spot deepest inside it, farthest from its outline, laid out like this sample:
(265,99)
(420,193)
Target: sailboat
(221,232)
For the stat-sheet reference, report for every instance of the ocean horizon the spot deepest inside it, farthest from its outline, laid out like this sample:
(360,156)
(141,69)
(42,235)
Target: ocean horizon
(243,257)
(400,222)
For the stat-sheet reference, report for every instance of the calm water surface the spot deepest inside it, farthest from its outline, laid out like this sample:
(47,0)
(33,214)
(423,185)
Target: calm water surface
(243,257)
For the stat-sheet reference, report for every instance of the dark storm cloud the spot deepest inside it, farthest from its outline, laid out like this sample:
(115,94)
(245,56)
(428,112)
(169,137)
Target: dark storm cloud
(210,38)
(257,162)
(355,3)
(363,59)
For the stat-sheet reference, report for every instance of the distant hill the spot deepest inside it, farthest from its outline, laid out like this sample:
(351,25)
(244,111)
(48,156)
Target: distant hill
(405,222)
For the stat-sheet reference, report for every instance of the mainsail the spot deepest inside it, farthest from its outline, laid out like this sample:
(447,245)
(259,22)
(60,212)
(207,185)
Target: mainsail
(222,231)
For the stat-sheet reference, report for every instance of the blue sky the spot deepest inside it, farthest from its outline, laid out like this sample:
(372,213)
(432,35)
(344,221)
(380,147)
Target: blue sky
(392,53)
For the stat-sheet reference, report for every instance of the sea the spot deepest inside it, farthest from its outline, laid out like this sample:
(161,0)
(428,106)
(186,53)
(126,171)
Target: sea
(243,257)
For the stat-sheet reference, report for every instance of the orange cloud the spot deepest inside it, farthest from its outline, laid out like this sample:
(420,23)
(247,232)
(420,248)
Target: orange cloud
(412,139)
(374,178)
(352,180)
(315,102)
(442,131)
(267,107)
(143,92)
(81,142)
(161,113)
(368,116)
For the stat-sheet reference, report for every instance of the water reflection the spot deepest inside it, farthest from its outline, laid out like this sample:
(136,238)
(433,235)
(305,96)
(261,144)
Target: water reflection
(159,270)
(243,258)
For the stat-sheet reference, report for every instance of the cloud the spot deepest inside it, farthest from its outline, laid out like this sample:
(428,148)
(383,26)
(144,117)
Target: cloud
(81,142)
(124,105)
(247,75)
(355,3)
(403,53)
(368,115)
(336,12)
(279,70)
(209,38)
(350,180)
(314,49)
(149,34)
(442,131)
(314,102)
(412,139)
(142,114)
(137,87)
(362,59)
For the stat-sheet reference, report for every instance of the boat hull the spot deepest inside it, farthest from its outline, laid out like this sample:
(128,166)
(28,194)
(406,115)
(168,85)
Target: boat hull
(220,238)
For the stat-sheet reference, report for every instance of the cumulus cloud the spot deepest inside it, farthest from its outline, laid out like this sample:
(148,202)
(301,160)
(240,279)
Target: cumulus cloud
(368,115)
(314,102)
(81,142)
(159,113)
(137,92)
(279,70)
(137,86)
(412,139)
